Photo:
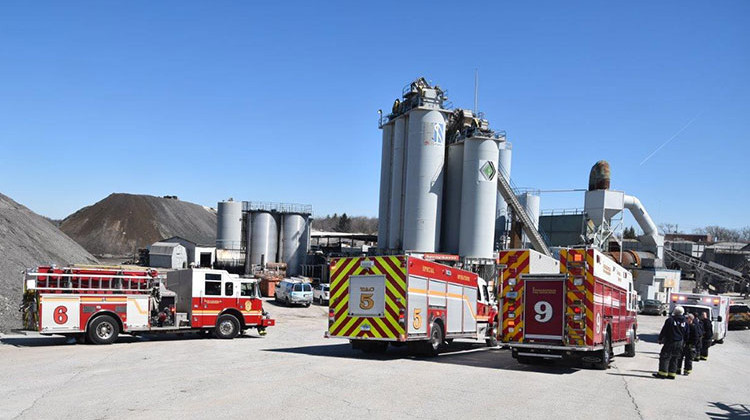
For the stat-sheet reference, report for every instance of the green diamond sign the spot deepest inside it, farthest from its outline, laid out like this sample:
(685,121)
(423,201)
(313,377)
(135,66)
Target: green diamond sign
(488,171)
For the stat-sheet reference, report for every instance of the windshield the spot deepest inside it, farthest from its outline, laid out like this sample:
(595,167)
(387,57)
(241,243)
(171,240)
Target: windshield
(738,309)
(302,287)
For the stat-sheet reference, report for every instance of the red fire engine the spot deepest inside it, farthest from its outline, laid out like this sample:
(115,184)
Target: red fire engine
(585,313)
(96,304)
(403,299)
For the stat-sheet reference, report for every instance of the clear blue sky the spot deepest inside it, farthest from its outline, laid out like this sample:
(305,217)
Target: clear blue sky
(278,101)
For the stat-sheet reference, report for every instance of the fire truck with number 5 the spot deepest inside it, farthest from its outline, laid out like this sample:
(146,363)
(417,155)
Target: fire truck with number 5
(96,304)
(586,312)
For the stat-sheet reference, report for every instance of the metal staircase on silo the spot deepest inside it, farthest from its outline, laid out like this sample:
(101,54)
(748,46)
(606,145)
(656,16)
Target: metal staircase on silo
(536,239)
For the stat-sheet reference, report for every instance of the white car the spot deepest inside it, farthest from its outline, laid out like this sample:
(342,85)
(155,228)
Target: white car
(321,293)
(293,292)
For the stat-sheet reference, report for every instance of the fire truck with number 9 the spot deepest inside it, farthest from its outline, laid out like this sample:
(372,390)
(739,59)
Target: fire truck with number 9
(586,312)
(96,304)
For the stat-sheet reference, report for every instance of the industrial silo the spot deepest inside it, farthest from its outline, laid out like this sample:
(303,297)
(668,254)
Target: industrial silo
(385,185)
(229,225)
(451,219)
(506,151)
(395,208)
(530,203)
(423,191)
(264,238)
(293,242)
(479,197)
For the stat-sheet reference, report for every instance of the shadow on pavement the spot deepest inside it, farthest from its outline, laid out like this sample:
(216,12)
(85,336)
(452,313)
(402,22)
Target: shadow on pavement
(649,338)
(56,340)
(729,411)
(459,353)
(632,375)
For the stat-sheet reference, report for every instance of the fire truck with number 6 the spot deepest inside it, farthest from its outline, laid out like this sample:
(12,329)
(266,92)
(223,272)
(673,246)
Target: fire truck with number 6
(96,304)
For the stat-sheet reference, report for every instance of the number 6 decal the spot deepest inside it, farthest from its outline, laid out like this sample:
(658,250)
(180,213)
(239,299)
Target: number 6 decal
(543,311)
(61,315)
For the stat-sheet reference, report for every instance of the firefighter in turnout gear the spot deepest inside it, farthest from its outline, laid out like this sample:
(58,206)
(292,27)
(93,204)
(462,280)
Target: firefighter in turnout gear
(688,349)
(671,338)
(708,335)
(699,342)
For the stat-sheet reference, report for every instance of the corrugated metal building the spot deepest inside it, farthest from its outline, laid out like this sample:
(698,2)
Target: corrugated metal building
(167,255)
(202,255)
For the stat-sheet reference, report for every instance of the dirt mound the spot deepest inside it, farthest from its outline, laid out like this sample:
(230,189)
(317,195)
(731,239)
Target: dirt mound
(122,223)
(28,240)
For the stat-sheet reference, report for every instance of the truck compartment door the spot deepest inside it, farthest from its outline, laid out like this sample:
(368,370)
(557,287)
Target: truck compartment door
(416,318)
(544,309)
(455,308)
(367,296)
(137,312)
(60,313)
(469,309)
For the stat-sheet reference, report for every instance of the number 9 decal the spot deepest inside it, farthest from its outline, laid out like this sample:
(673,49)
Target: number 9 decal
(543,311)
(61,315)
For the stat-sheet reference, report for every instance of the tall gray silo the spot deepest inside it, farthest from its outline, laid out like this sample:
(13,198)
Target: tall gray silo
(294,242)
(451,219)
(264,237)
(506,152)
(478,197)
(229,225)
(530,203)
(385,185)
(424,180)
(398,169)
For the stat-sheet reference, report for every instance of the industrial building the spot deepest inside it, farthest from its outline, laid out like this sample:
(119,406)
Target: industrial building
(167,255)
(199,255)
(251,235)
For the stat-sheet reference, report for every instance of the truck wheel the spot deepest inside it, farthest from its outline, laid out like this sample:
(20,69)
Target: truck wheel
(605,354)
(492,338)
(435,344)
(630,348)
(103,330)
(227,327)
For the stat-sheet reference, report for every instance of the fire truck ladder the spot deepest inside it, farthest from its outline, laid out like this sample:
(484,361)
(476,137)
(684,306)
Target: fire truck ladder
(711,268)
(537,242)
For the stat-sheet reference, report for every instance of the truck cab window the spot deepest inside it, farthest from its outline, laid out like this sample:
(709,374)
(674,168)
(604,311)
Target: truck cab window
(213,288)
(228,289)
(247,290)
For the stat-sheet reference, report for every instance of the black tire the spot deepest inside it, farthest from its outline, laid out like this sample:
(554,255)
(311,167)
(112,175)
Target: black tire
(605,355)
(491,339)
(227,327)
(275,297)
(103,330)
(287,302)
(435,343)
(630,348)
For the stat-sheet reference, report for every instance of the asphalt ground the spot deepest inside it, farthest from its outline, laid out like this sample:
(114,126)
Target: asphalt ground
(294,372)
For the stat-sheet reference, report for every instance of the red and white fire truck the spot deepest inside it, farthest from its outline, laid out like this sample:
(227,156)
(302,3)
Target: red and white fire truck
(96,304)
(403,299)
(586,313)
(716,308)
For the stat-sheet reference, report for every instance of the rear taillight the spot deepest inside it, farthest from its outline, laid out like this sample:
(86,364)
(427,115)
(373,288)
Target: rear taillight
(401,316)
(331,314)
(512,308)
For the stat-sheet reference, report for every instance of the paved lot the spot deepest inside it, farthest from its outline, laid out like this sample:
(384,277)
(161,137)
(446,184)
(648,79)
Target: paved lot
(294,372)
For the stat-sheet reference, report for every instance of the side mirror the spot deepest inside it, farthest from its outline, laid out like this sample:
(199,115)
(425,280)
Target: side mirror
(719,318)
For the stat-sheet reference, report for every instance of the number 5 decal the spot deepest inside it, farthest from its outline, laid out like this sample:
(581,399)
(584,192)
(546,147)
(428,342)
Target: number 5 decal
(543,311)
(365,301)
(61,315)
(417,319)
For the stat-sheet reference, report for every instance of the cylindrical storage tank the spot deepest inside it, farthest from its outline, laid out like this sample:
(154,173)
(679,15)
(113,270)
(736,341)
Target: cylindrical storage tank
(395,208)
(264,238)
(293,243)
(229,225)
(423,189)
(530,203)
(385,185)
(504,160)
(451,219)
(478,197)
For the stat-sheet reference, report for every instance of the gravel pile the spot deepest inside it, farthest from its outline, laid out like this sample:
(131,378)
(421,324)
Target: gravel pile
(28,240)
(121,223)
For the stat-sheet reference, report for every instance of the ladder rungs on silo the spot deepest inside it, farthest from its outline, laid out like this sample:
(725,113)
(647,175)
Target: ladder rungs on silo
(537,242)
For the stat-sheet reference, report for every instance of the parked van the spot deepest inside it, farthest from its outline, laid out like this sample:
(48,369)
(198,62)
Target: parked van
(292,291)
